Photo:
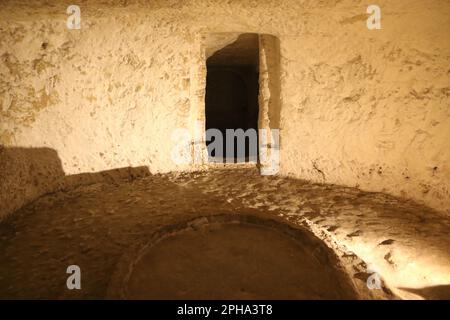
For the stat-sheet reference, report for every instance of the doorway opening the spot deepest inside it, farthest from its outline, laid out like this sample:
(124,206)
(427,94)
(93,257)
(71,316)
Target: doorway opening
(231,101)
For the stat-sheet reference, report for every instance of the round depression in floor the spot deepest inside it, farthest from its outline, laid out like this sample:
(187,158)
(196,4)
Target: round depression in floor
(237,261)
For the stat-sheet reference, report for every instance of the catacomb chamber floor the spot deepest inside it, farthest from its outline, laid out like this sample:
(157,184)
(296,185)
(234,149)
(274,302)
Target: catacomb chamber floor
(93,226)
(233,259)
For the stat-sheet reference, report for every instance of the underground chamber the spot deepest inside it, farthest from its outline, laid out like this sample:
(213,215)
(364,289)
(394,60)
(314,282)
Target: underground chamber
(111,187)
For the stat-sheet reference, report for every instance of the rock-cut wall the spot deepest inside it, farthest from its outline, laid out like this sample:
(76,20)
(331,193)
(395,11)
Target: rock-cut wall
(358,107)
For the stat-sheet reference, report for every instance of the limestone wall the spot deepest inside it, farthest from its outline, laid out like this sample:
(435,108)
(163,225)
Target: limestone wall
(359,107)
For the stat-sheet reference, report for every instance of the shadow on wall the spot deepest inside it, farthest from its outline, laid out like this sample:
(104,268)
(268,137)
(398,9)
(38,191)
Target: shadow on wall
(432,293)
(28,173)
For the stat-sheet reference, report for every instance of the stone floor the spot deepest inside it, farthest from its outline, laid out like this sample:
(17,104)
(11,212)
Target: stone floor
(92,226)
(233,259)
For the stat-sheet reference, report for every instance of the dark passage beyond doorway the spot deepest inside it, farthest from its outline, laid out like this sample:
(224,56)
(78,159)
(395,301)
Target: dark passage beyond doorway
(232,95)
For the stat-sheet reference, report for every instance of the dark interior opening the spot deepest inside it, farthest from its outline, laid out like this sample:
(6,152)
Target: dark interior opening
(232,97)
